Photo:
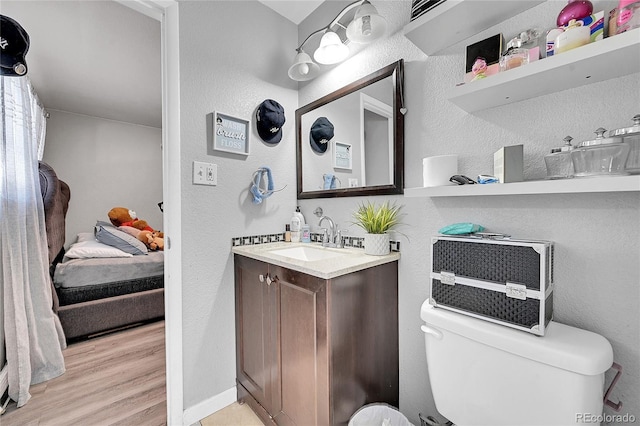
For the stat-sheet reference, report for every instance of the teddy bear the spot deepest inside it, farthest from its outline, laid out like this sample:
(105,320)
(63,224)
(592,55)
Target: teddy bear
(122,216)
(152,240)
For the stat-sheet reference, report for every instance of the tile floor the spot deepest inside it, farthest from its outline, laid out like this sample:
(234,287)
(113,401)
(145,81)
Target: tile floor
(233,415)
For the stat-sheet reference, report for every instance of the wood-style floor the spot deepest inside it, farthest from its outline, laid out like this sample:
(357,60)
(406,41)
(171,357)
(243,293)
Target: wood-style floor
(115,379)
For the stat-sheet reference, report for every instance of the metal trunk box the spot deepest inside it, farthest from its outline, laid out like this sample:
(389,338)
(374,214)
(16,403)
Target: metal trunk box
(502,280)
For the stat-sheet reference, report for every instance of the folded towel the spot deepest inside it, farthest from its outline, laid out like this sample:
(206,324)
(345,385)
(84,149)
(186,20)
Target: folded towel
(329,181)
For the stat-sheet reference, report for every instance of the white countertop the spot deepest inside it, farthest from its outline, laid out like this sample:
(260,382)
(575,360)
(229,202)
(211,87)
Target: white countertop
(351,259)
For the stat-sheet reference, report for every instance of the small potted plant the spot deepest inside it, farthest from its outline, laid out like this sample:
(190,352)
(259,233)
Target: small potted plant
(376,221)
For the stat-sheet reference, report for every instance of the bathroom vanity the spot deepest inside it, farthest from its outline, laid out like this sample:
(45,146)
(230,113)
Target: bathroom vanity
(316,333)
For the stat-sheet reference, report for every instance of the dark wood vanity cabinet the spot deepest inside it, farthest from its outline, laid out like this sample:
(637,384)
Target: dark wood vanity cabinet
(311,351)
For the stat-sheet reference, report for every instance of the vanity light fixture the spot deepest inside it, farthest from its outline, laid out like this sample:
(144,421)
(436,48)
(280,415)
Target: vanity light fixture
(365,26)
(303,67)
(331,49)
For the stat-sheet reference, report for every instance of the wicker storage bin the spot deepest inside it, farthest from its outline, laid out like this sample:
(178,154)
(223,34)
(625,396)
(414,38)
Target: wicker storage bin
(506,281)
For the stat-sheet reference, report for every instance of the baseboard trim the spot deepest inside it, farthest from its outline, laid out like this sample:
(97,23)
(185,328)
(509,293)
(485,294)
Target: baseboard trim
(207,407)
(4,379)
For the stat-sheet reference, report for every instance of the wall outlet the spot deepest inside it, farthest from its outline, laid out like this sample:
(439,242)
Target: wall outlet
(205,173)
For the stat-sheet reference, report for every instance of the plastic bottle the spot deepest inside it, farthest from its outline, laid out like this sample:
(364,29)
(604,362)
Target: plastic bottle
(287,233)
(300,216)
(306,234)
(628,15)
(295,228)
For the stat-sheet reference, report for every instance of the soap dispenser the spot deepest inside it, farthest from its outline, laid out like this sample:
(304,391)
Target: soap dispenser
(300,216)
(296,226)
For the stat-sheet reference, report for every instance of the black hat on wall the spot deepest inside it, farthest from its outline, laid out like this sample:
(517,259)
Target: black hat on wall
(269,121)
(14,44)
(320,134)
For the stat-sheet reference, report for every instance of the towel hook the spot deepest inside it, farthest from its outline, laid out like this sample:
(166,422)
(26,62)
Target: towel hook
(260,193)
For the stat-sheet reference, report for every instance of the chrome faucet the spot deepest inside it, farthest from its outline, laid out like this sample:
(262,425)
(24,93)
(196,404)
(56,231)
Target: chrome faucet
(328,235)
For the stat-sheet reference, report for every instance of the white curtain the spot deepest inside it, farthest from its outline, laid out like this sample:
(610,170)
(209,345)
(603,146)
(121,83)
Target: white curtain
(33,335)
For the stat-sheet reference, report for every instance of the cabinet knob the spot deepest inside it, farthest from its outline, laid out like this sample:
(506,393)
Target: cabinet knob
(261,278)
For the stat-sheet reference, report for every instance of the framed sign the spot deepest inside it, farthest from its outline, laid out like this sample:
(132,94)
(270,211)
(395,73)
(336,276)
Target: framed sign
(342,158)
(231,134)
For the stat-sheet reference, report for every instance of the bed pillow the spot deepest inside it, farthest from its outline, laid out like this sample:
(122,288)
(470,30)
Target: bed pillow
(92,248)
(134,232)
(85,236)
(111,236)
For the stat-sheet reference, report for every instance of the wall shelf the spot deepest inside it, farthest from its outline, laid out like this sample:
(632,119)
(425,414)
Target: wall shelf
(441,27)
(560,186)
(605,59)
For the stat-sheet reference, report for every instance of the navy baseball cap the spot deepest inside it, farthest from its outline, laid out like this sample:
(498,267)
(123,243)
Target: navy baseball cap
(14,44)
(320,134)
(269,121)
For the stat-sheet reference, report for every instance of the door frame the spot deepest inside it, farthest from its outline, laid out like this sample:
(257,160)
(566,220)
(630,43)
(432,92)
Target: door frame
(166,11)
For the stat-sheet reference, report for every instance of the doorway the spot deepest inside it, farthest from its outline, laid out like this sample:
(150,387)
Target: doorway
(165,12)
(376,132)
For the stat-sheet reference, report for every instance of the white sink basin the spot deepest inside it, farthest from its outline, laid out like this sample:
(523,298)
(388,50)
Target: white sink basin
(307,253)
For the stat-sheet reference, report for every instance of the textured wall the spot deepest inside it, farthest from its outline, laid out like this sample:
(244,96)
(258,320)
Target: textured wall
(233,55)
(597,235)
(106,164)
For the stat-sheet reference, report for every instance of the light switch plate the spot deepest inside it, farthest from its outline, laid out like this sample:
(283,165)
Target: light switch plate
(205,173)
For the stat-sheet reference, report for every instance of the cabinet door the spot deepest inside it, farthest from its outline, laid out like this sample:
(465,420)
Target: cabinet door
(256,367)
(302,337)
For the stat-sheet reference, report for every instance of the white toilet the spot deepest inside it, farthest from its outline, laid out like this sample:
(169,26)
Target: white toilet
(485,374)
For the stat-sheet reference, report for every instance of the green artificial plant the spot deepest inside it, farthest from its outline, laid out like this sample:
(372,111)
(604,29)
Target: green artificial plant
(377,220)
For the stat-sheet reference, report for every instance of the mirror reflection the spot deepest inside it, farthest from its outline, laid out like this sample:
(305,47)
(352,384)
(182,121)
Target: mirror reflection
(350,141)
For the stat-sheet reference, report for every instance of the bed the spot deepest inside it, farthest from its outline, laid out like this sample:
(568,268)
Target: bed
(93,295)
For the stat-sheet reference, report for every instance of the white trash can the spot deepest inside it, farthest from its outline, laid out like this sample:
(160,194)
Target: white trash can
(378,414)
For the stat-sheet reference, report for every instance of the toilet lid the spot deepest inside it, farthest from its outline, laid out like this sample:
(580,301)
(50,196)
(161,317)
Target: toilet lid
(562,346)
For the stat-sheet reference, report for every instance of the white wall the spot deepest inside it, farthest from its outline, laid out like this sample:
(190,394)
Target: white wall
(106,164)
(344,116)
(597,235)
(233,55)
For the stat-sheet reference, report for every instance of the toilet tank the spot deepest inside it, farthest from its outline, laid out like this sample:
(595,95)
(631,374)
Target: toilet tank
(488,374)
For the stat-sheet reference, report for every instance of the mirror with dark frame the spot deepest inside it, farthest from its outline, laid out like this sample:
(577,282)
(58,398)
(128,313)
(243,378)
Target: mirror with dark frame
(351,142)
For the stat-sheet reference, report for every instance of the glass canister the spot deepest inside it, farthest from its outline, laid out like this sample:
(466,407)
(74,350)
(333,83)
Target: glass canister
(600,156)
(631,136)
(559,164)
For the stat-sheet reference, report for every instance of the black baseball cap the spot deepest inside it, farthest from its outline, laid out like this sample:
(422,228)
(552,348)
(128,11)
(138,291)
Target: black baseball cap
(14,44)
(269,121)
(320,134)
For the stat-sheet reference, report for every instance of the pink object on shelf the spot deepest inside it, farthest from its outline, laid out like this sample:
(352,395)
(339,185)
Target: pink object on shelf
(628,15)
(576,9)
(625,3)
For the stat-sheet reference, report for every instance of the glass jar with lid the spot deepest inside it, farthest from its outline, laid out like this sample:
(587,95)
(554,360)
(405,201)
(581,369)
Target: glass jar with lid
(600,156)
(558,163)
(631,136)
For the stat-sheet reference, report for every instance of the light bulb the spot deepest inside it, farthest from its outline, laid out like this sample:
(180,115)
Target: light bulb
(366,26)
(303,68)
